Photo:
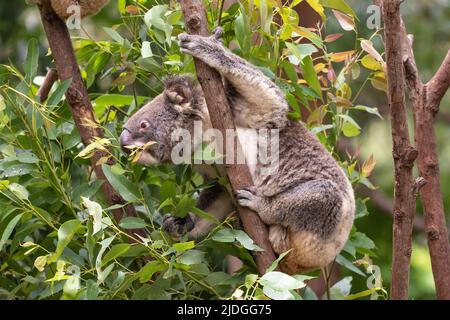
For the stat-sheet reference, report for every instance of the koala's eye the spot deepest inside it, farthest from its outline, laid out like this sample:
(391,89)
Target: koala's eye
(144,124)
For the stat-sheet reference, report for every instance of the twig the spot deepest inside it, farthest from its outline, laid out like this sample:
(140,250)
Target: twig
(439,84)
(50,78)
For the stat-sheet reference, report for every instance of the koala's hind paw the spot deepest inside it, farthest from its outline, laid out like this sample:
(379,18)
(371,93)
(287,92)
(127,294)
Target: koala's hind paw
(247,197)
(175,226)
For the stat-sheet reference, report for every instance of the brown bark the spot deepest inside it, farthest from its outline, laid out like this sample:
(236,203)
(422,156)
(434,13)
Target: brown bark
(50,78)
(221,119)
(426,99)
(403,153)
(78,99)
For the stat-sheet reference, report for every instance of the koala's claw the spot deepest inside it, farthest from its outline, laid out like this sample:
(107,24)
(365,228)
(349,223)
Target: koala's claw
(175,226)
(247,197)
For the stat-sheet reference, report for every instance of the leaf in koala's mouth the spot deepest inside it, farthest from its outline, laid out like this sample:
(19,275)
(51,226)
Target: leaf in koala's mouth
(136,151)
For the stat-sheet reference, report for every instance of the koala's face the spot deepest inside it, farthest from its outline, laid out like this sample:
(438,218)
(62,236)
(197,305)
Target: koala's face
(177,108)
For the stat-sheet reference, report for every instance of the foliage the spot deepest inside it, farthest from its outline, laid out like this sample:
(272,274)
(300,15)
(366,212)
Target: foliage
(58,239)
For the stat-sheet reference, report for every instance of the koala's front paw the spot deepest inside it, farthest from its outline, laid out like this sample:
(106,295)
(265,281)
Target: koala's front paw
(175,226)
(201,47)
(248,197)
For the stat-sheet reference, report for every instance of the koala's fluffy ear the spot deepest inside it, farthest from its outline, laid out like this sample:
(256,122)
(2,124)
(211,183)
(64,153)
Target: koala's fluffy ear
(183,94)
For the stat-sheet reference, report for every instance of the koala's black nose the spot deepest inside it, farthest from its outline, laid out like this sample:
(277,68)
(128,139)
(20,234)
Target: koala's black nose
(125,140)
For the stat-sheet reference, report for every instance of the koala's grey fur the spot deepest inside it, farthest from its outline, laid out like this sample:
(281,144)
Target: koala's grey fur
(308,203)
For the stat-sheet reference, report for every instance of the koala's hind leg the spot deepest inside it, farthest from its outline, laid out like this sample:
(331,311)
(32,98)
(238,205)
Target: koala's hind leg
(313,219)
(256,101)
(314,206)
(215,200)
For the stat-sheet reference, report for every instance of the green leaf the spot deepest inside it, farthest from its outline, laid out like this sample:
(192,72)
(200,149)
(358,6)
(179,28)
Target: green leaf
(350,128)
(124,187)
(340,5)
(276,285)
(132,223)
(310,75)
(31,63)
(121,6)
(56,96)
(65,235)
(168,190)
(153,17)
(274,264)
(8,230)
(300,51)
(224,235)
(191,257)
(117,100)
(94,210)
(362,241)
(349,265)
(147,272)
(230,235)
(368,110)
(370,63)
(184,246)
(19,191)
(114,35)
(115,252)
(242,31)
(40,263)
(246,241)
(2,103)
(184,206)
(101,275)
(361,209)
(146,50)
(250,279)
(340,289)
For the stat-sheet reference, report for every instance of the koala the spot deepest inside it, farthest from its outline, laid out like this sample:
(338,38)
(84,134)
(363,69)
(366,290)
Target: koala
(307,203)
(62,7)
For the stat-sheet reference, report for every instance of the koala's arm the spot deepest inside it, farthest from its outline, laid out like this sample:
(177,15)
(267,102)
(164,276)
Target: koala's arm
(215,200)
(259,102)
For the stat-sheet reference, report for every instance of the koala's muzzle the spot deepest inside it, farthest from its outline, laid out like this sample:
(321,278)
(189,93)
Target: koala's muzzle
(126,139)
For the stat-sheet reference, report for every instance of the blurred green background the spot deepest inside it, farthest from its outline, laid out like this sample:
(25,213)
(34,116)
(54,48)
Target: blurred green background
(428,21)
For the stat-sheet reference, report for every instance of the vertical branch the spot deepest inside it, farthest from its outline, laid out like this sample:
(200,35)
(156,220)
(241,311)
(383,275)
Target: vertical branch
(425,100)
(50,78)
(425,109)
(403,153)
(220,113)
(77,97)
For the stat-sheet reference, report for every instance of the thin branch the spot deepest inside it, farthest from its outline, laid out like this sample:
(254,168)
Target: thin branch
(426,100)
(439,84)
(403,153)
(50,78)
(221,118)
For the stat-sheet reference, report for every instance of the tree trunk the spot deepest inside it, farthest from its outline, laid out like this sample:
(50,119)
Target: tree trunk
(222,119)
(403,153)
(78,99)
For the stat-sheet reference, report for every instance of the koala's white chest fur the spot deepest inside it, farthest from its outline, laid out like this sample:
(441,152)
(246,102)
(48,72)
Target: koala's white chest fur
(248,140)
